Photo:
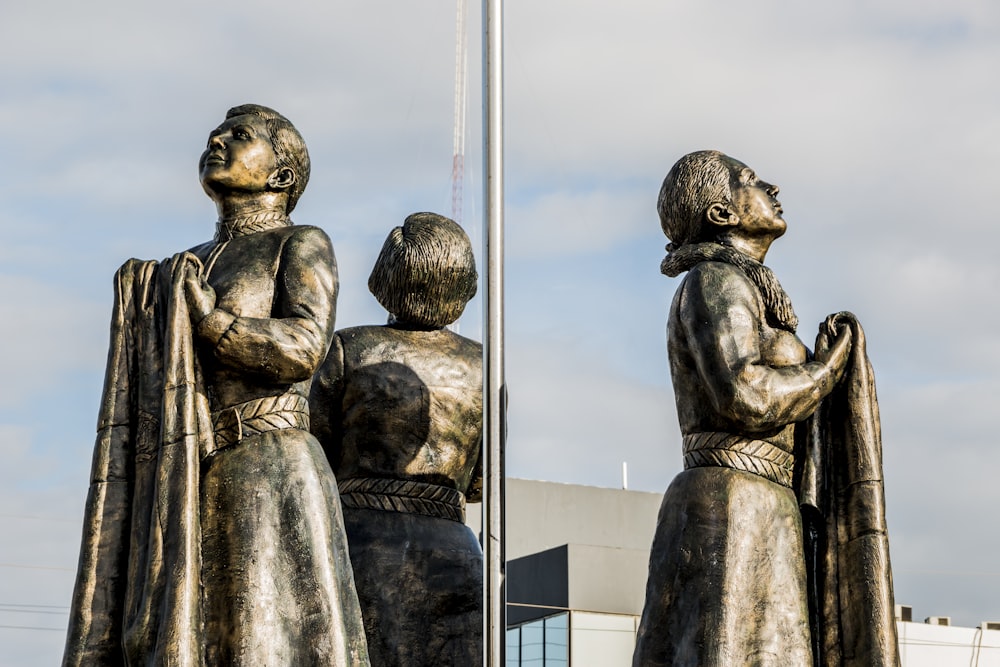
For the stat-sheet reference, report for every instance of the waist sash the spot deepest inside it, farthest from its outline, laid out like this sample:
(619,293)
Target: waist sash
(726,450)
(260,415)
(398,495)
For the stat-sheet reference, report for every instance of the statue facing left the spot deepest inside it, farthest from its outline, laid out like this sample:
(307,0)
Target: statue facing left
(213,532)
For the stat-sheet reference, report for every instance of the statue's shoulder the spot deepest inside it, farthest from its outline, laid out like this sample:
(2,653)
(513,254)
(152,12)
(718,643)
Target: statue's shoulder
(713,290)
(305,243)
(468,346)
(351,334)
(300,235)
(202,250)
(360,340)
(718,279)
(303,232)
(710,270)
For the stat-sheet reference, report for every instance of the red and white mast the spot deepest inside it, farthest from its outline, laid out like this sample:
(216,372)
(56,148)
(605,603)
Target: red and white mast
(461,80)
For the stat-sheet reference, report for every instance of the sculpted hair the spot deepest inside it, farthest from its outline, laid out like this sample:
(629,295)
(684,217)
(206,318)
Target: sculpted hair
(694,183)
(289,146)
(426,272)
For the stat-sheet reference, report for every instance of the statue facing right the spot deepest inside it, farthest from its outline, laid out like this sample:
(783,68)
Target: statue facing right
(770,547)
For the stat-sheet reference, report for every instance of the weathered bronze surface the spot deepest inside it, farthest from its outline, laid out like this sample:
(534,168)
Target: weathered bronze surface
(398,409)
(213,532)
(767,426)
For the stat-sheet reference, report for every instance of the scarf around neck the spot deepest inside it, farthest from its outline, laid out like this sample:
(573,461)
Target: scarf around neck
(777,305)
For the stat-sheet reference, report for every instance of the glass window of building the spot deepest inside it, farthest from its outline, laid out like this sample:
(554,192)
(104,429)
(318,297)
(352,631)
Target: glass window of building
(541,643)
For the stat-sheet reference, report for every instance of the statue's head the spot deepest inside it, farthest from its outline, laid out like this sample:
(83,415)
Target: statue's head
(693,184)
(708,195)
(255,149)
(426,272)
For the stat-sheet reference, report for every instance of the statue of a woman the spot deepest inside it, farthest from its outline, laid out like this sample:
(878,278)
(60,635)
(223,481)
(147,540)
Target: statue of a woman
(399,410)
(213,532)
(733,578)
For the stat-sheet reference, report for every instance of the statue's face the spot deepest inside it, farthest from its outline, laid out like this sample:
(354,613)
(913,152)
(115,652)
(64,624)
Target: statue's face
(755,202)
(239,157)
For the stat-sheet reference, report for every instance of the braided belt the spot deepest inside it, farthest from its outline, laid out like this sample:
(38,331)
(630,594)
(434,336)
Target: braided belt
(260,415)
(726,450)
(398,495)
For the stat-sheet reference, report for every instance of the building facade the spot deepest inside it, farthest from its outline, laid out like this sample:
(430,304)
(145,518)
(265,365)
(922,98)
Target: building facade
(577,558)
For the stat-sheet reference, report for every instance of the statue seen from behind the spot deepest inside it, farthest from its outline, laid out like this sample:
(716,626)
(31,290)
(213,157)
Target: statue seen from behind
(399,410)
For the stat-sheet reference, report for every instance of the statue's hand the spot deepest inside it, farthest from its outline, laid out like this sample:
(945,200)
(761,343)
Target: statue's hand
(833,354)
(199,294)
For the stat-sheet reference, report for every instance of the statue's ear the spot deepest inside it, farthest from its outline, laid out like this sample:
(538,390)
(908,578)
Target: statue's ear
(721,215)
(282,178)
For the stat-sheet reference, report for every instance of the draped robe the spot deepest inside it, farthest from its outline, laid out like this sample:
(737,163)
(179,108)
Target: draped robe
(198,550)
(733,578)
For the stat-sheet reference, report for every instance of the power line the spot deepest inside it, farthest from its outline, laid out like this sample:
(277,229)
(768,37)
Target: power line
(30,627)
(38,567)
(35,606)
(32,611)
(38,518)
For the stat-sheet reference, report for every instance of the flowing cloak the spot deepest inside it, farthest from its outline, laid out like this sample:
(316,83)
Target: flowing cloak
(847,544)
(139,597)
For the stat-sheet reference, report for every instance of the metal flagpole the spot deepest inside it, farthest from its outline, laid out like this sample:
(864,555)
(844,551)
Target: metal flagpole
(494,387)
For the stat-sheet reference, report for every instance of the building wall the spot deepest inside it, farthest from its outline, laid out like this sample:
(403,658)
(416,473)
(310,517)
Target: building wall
(596,548)
(576,576)
(601,640)
(923,645)
(607,579)
(607,640)
(543,515)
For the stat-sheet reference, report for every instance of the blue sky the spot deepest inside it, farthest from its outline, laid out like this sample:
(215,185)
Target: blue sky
(880,122)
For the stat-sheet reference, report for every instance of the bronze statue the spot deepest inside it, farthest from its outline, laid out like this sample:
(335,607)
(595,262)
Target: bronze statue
(734,578)
(213,532)
(399,410)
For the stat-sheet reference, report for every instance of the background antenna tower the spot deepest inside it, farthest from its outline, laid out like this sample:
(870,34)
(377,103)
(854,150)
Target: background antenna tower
(461,75)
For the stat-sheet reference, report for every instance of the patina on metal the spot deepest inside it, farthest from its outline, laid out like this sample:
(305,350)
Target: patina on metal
(213,533)
(399,411)
(771,547)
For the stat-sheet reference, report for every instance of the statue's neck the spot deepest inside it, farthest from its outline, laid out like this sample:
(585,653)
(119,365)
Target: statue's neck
(228,228)
(242,213)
